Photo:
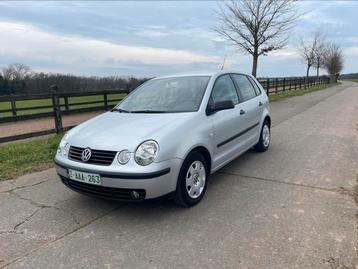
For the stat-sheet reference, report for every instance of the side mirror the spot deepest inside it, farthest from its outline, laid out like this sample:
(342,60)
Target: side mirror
(220,105)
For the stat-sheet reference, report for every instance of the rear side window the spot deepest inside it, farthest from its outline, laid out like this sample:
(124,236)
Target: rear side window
(224,89)
(246,89)
(256,87)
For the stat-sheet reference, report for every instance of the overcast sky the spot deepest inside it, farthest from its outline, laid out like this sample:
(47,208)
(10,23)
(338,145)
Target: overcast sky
(154,38)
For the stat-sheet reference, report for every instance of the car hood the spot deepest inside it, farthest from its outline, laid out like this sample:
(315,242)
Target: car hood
(117,131)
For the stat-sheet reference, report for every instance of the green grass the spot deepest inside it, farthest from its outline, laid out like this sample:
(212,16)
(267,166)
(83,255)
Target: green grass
(279,96)
(17,159)
(48,102)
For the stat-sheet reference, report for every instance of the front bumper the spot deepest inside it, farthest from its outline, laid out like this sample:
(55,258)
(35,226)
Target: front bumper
(118,185)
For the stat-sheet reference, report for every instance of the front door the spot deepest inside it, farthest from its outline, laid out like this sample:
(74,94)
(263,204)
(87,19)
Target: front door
(227,124)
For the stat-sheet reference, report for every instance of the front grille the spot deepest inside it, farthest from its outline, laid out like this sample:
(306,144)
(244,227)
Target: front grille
(103,192)
(100,157)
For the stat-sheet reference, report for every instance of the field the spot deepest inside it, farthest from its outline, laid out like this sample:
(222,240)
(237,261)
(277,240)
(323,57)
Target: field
(48,102)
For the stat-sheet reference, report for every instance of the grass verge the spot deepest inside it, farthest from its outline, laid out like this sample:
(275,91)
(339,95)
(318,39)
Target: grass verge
(279,96)
(17,159)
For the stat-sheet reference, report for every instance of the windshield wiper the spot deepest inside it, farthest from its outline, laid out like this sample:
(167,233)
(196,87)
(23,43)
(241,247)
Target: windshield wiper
(149,111)
(120,110)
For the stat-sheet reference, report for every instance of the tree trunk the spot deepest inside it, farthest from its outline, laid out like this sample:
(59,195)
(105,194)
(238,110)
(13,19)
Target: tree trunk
(317,71)
(254,64)
(308,70)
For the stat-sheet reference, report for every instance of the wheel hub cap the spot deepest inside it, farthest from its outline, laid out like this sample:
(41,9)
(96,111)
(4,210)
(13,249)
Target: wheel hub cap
(195,179)
(266,136)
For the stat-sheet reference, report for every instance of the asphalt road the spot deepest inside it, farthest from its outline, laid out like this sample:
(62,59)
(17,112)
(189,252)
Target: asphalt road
(291,207)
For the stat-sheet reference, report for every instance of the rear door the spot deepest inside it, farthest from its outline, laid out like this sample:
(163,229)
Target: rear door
(250,107)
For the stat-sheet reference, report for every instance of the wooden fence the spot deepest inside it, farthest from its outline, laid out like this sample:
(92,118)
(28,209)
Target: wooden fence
(50,104)
(23,107)
(278,85)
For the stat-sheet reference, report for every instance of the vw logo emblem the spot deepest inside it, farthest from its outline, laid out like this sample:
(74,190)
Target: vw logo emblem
(86,154)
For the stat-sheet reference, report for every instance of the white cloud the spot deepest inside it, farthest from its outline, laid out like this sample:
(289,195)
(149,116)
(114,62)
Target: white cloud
(158,31)
(285,54)
(350,51)
(29,42)
(321,19)
(152,33)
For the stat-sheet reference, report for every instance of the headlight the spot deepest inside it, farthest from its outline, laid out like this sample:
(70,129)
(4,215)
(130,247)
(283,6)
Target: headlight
(146,152)
(64,146)
(124,156)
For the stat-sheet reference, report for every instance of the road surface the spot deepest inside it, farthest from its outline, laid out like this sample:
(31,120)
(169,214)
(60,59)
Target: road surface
(291,207)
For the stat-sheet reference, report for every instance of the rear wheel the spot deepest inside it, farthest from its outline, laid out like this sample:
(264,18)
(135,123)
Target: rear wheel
(265,137)
(192,180)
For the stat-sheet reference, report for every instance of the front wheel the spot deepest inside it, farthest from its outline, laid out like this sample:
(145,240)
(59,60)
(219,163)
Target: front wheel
(265,137)
(192,180)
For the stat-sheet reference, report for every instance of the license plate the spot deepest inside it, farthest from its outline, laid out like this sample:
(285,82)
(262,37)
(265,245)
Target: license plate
(89,178)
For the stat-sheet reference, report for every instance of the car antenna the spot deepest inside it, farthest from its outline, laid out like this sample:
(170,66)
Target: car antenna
(222,67)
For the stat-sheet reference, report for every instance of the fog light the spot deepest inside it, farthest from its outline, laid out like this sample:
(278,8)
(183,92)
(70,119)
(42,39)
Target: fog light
(124,156)
(135,195)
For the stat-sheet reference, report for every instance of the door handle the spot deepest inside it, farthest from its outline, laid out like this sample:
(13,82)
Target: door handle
(260,103)
(242,112)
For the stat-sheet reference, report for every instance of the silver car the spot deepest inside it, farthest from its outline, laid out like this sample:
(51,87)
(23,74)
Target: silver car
(166,137)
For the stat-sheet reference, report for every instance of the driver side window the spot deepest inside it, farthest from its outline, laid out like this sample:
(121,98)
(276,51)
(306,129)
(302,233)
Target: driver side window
(223,90)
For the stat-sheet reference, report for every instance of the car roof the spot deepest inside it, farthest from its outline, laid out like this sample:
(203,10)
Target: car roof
(200,73)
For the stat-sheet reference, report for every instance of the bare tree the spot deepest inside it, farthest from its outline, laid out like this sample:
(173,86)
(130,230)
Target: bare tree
(7,73)
(256,27)
(333,60)
(320,50)
(307,49)
(17,72)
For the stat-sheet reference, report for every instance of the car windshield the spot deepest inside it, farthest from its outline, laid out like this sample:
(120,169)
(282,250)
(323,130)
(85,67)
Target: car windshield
(166,95)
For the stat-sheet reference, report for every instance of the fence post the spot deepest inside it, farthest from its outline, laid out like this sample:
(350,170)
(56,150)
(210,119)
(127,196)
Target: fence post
(268,87)
(283,84)
(56,109)
(13,107)
(66,105)
(276,85)
(105,100)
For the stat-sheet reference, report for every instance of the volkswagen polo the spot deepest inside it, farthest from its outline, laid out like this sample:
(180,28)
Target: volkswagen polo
(166,137)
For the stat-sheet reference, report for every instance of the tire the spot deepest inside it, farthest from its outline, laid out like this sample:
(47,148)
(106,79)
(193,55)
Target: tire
(192,180)
(264,141)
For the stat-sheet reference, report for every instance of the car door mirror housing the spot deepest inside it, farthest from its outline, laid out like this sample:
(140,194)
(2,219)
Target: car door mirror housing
(220,105)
